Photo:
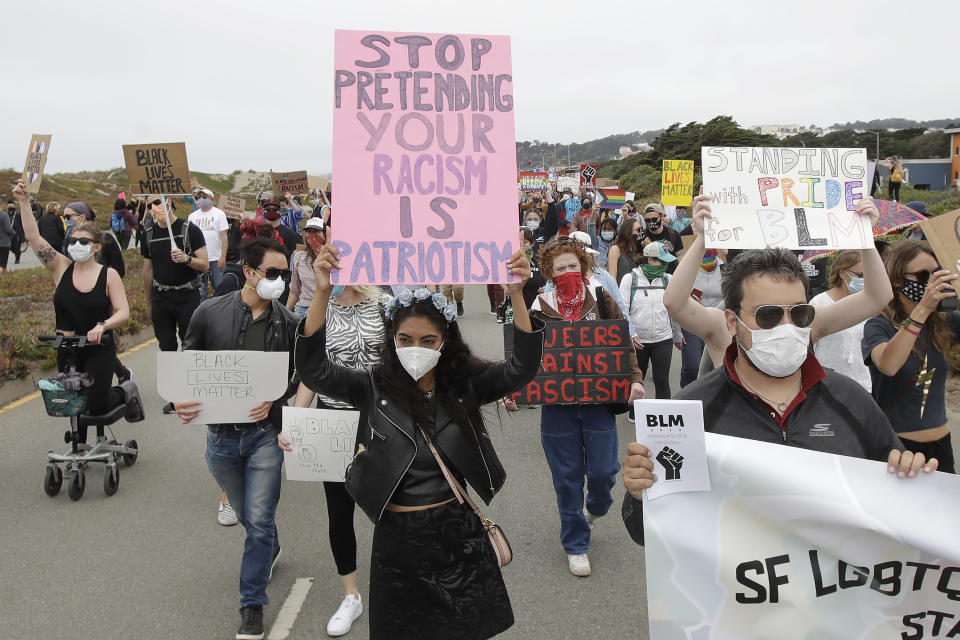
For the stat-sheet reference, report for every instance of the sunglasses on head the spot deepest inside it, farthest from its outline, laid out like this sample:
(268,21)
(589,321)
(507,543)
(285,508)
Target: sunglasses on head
(770,315)
(83,241)
(272,273)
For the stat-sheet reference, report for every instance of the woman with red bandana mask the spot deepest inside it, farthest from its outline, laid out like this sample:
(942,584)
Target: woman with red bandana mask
(579,440)
(302,281)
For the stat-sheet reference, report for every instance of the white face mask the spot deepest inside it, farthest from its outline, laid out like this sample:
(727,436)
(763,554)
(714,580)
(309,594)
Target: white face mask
(780,351)
(79,252)
(607,235)
(203,203)
(533,224)
(418,361)
(270,289)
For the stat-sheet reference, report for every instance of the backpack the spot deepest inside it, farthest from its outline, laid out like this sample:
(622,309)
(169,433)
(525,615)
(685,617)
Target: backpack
(117,221)
(635,282)
(184,238)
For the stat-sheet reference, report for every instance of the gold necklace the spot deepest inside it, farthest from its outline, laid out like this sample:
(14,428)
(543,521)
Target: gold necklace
(781,407)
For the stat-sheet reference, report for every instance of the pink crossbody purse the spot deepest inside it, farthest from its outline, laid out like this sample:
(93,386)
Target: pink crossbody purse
(501,546)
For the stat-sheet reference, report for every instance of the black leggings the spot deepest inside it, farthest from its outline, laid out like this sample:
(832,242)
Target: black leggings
(99,362)
(343,539)
(893,190)
(661,353)
(941,449)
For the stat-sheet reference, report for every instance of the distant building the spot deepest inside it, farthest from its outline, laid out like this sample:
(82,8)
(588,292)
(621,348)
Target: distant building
(954,157)
(782,131)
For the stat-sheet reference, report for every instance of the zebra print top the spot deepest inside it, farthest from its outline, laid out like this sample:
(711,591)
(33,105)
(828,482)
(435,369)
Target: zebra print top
(354,339)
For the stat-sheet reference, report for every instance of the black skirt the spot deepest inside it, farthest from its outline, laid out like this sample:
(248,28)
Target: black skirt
(434,574)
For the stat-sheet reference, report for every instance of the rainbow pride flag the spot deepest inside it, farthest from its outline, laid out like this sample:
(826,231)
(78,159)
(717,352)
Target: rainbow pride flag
(38,146)
(613,198)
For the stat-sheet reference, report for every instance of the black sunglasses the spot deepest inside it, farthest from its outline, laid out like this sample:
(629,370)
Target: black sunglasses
(854,273)
(646,219)
(770,315)
(83,241)
(272,273)
(274,209)
(923,275)
(157,203)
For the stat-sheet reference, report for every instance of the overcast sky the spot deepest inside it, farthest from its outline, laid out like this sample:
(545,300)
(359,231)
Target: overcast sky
(249,84)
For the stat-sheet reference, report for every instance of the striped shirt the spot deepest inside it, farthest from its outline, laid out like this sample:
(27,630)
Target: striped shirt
(354,338)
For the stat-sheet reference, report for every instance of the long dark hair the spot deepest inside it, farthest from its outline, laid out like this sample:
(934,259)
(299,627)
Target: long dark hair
(457,364)
(626,242)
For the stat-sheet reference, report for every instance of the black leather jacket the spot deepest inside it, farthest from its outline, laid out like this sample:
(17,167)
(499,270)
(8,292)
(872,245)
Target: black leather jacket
(221,324)
(386,446)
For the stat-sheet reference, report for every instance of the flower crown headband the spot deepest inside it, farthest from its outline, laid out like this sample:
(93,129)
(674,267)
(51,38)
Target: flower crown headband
(410,297)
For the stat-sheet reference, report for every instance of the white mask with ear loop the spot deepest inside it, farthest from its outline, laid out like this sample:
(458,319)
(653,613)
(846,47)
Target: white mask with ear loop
(780,351)
(418,361)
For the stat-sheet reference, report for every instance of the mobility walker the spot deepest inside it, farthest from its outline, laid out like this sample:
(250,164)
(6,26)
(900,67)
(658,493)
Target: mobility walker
(63,397)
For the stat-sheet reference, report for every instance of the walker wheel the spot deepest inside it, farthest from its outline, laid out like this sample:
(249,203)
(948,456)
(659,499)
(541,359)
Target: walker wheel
(111,479)
(130,459)
(52,480)
(67,437)
(77,484)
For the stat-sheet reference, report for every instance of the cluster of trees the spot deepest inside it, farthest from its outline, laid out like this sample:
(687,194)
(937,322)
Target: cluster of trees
(538,153)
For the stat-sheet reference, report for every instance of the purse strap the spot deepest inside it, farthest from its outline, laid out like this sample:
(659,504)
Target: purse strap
(458,491)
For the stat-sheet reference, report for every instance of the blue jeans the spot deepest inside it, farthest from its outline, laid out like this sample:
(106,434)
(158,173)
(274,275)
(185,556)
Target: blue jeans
(690,356)
(580,440)
(301,311)
(246,463)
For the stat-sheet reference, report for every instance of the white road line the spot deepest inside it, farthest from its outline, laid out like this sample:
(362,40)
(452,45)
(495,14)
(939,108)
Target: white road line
(290,609)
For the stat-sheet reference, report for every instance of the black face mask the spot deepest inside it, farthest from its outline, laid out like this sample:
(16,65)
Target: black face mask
(914,290)
(653,225)
(586,204)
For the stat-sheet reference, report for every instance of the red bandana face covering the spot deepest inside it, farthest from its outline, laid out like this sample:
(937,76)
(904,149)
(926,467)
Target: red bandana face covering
(316,241)
(570,294)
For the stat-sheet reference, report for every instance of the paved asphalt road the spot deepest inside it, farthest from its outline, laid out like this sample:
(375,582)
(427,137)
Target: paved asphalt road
(152,562)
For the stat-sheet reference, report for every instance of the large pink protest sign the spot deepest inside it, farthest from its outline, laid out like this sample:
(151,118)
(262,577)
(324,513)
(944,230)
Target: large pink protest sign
(424,158)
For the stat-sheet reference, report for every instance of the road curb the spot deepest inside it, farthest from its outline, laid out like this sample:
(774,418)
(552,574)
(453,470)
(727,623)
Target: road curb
(15,393)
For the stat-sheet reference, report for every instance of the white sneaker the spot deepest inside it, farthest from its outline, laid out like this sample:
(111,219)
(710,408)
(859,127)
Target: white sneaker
(579,564)
(226,515)
(350,609)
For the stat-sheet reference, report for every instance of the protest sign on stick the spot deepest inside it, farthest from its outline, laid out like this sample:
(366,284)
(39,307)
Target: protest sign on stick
(292,182)
(157,169)
(588,176)
(232,206)
(943,234)
(228,384)
(534,181)
(323,441)
(425,158)
(584,362)
(36,161)
(788,198)
(775,550)
(676,183)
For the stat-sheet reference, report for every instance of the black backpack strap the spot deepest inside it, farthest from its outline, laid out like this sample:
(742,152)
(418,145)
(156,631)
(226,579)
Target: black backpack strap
(598,293)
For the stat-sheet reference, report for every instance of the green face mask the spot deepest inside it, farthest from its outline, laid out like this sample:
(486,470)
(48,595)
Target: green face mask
(653,271)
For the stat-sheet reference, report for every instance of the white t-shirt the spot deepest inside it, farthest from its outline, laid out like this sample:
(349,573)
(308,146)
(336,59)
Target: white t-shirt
(211,222)
(840,351)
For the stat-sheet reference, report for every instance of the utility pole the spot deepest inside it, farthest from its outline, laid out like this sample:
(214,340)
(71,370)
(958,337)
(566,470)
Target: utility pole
(878,147)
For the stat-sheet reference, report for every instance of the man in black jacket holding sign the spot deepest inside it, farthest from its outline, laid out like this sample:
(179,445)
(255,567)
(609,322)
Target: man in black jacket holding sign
(246,459)
(771,387)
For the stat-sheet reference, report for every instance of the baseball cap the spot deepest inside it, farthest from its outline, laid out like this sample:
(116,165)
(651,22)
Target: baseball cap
(314,223)
(583,238)
(204,190)
(653,206)
(656,250)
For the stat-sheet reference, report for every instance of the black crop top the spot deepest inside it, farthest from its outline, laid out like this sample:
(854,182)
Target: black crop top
(424,482)
(80,311)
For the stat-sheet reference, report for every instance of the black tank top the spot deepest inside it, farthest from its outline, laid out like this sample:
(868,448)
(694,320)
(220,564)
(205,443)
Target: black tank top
(78,311)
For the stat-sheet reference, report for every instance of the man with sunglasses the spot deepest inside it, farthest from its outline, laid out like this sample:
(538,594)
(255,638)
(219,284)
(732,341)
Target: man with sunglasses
(770,387)
(245,459)
(171,274)
(273,215)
